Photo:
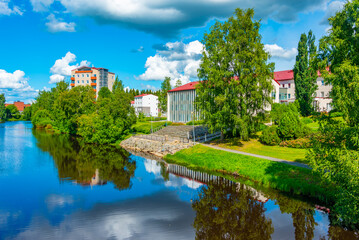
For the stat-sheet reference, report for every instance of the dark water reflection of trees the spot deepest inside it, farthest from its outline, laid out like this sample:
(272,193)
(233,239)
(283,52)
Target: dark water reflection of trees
(86,163)
(231,212)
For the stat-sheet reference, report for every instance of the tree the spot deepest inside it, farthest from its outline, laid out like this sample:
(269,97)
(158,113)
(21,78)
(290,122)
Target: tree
(165,87)
(305,75)
(117,85)
(26,114)
(104,93)
(2,107)
(335,153)
(178,83)
(234,76)
(11,111)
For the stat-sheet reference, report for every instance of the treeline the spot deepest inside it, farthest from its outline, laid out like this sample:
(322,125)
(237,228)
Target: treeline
(11,113)
(76,111)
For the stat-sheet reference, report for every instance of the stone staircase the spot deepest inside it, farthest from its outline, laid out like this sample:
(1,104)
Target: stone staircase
(184,131)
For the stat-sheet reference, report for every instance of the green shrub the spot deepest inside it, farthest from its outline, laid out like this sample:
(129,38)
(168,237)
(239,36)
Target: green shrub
(307,120)
(178,124)
(269,136)
(297,143)
(198,122)
(145,127)
(155,118)
(41,118)
(335,114)
(141,117)
(289,126)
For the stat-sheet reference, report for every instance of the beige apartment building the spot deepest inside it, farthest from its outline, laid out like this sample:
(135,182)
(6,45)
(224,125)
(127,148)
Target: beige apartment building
(94,77)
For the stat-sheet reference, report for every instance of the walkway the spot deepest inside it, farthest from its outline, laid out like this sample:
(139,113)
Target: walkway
(260,156)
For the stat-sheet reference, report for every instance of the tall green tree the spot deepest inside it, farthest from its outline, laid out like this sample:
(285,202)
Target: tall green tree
(118,84)
(165,87)
(12,112)
(234,76)
(335,153)
(2,107)
(305,75)
(104,93)
(178,83)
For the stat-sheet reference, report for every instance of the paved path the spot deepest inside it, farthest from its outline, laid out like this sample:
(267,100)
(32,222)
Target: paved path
(259,156)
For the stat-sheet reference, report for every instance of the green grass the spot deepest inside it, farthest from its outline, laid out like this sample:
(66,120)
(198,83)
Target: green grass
(271,174)
(145,127)
(255,147)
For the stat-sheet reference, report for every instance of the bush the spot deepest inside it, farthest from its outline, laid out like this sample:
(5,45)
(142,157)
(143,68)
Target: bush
(335,114)
(297,143)
(141,117)
(269,136)
(178,124)
(307,120)
(41,119)
(289,126)
(155,118)
(145,127)
(198,122)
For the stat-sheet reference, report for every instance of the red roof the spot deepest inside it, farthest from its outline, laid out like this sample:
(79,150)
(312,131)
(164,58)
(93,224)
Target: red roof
(188,86)
(284,75)
(142,95)
(132,102)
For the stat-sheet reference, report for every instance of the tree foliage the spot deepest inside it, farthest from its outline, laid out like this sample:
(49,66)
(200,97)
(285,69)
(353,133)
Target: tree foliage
(305,74)
(234,76)
(77,112)
(178,83)
(165,87)
(335,151)
(2,107)
(11,111)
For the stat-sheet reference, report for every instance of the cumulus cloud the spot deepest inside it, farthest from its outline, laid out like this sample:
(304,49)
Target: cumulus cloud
(5,9)
(331,10)
(58,25)
(176,60)
(62,67)
(168,17)
(41,5)
(16,87)
(279,52)
(147,86)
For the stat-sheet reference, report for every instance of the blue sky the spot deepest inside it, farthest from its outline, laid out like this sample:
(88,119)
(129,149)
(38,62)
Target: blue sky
(142,41)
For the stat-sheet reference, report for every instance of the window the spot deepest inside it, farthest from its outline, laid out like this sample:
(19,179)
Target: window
(322,94)
(78,75)
(94,75)
(273,95)
(82,81)
(283,85)
(322,82)
(288,85)
(288,95)
(87,81)
(87,75)
(78,81)
(73,75)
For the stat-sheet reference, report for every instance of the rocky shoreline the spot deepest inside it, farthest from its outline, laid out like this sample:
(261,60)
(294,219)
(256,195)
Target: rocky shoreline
(155,147)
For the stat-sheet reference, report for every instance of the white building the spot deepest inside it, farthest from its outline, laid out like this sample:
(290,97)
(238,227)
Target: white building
(147,104)
(322,101)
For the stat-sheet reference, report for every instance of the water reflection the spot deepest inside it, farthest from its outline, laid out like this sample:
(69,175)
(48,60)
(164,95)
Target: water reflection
(230,212)
(87,164)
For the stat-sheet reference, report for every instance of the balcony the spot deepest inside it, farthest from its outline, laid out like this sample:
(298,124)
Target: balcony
(73,79)
(93,78)
(93,84)
(72,84)
(84,71)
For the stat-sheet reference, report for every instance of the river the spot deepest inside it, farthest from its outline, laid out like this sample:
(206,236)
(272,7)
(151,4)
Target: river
(54,187)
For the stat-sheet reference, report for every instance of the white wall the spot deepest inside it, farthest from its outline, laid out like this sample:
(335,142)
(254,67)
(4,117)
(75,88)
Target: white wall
(147,101)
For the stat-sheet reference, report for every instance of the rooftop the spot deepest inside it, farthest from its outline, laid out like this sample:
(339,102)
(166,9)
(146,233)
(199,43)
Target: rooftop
(188,86)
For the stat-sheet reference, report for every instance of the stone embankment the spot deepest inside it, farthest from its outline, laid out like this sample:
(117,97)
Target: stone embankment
(156,147)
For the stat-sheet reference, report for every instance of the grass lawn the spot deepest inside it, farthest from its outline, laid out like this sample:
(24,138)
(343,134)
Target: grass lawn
(272,174)
(255,147)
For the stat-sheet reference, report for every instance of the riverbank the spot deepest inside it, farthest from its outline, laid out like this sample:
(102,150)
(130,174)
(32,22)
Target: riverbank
(271,174)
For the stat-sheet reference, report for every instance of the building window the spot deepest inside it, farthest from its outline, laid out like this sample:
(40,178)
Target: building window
(283,85)
(288,95)
(83,75)
(78,81)
(288,85)
(82,81)
(322,82)
(78,75)
(87,81)
(273,95)
(87,75)
(322,94)
(94,75)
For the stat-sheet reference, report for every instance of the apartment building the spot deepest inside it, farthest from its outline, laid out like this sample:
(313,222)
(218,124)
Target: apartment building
(94,77)
(146,104)
(19,105)
(322,101)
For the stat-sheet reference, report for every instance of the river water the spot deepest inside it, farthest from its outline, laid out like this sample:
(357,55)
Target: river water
(53,187)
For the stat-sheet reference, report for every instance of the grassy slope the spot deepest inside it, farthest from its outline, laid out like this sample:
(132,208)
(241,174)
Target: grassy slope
(271,174)
(145,127)
(255,147)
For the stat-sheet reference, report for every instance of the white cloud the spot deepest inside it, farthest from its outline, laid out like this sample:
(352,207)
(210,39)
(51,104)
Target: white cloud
(168,17)
(41,5)
(279,52)
(62,67)
(16,87)
(58,25)
(147,86)
(176,60)
(5,9)
(331,10)
(127,88)
(57,201)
